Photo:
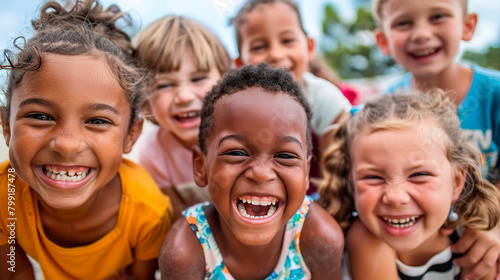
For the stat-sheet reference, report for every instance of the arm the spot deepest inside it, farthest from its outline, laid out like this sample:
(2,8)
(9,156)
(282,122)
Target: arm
(322,244)
(22,265)
(481,252)
(369,257)
(177,204)
(181,255)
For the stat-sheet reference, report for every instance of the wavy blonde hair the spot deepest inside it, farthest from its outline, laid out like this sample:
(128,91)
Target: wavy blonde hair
(163,44)
(478,205)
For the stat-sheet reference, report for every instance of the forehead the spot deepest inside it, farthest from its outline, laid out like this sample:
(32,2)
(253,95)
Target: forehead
(425,136)
(280,14)
(261,111)
(77,77)
(394,7)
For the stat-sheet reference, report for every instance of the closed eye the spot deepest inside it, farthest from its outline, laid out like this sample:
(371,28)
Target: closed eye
(39,116)
(418,174)
(236,153)
(286,156)
(438,17)
(164,86)
(100,121)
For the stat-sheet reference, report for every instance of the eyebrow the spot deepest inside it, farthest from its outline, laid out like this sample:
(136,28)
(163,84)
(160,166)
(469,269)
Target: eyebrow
(102,106)
(291,139)
(47,103)
(36,101)
(286,139)
(230,137)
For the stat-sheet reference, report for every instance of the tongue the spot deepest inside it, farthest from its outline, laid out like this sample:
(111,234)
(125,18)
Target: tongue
(256,210)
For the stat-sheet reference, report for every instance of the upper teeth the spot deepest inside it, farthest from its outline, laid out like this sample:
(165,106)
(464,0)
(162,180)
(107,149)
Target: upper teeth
(188,115)
(401,223)
(257,201)
(66,176)
(424,52)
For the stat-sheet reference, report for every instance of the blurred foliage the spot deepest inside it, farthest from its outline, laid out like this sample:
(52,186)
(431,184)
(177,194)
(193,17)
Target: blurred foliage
(350,48)
(489,59)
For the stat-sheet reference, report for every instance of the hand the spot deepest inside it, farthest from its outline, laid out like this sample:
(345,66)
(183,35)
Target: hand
(481,252)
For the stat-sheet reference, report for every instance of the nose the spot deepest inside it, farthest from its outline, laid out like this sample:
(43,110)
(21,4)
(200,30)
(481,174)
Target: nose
(395,194)
(275,54)
(67,142)
(185,94)
(421,32)
(261,172)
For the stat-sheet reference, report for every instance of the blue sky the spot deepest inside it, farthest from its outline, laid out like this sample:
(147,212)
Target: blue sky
(15,17)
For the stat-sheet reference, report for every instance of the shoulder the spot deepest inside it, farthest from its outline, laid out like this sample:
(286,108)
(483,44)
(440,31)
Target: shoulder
(181,254)
(368,255)
(486,78)
(141,191)
(318,88)
(321,242)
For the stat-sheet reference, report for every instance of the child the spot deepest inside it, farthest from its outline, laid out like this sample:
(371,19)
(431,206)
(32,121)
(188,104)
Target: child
(187,59)
(261,224)
(402,163)
(423,37)
(69,199)
(271,31)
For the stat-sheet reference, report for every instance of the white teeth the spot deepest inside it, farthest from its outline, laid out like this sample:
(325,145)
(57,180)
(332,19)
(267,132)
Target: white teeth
(424,52)
(244,213)
(70,177)
(188,115)
(401,223)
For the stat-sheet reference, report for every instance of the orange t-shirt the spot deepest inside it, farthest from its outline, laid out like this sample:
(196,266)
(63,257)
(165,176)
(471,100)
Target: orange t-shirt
(143,220)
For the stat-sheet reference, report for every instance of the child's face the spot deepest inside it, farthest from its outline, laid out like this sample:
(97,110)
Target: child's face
(68,127)
(424,36)
(256,154)
(271,33)
(404,184)
(179,98)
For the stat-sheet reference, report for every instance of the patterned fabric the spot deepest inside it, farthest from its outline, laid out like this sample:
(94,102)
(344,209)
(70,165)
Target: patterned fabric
(291,264)
(439,267)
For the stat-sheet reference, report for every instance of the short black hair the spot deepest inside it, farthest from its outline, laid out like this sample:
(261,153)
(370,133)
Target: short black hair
(250,76)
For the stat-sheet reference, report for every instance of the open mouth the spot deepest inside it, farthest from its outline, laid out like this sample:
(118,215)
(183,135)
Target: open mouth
(187,116)
(401,223)
(424,53)
(66,175)
(256,207)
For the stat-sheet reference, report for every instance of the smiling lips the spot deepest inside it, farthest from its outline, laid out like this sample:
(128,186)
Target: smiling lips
(73,174)
(187,116)
(424,52)
(401,223)
(257,207)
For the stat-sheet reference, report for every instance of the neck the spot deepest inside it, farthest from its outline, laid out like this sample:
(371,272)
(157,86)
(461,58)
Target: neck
(243,259)
(454,80)
(425,251)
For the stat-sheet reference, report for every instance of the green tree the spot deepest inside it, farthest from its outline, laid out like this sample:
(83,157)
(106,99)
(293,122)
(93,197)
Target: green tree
(350,48)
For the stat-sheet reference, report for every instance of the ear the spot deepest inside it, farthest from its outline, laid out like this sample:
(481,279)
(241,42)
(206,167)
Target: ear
(133,134)
(200,174)
(238,62)
(470,23)
(382,43)
(459,183)
(310,48)
(4,118)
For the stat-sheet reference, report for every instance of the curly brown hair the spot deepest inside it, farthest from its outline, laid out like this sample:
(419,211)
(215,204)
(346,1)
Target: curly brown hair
(478,205)
(85,29)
